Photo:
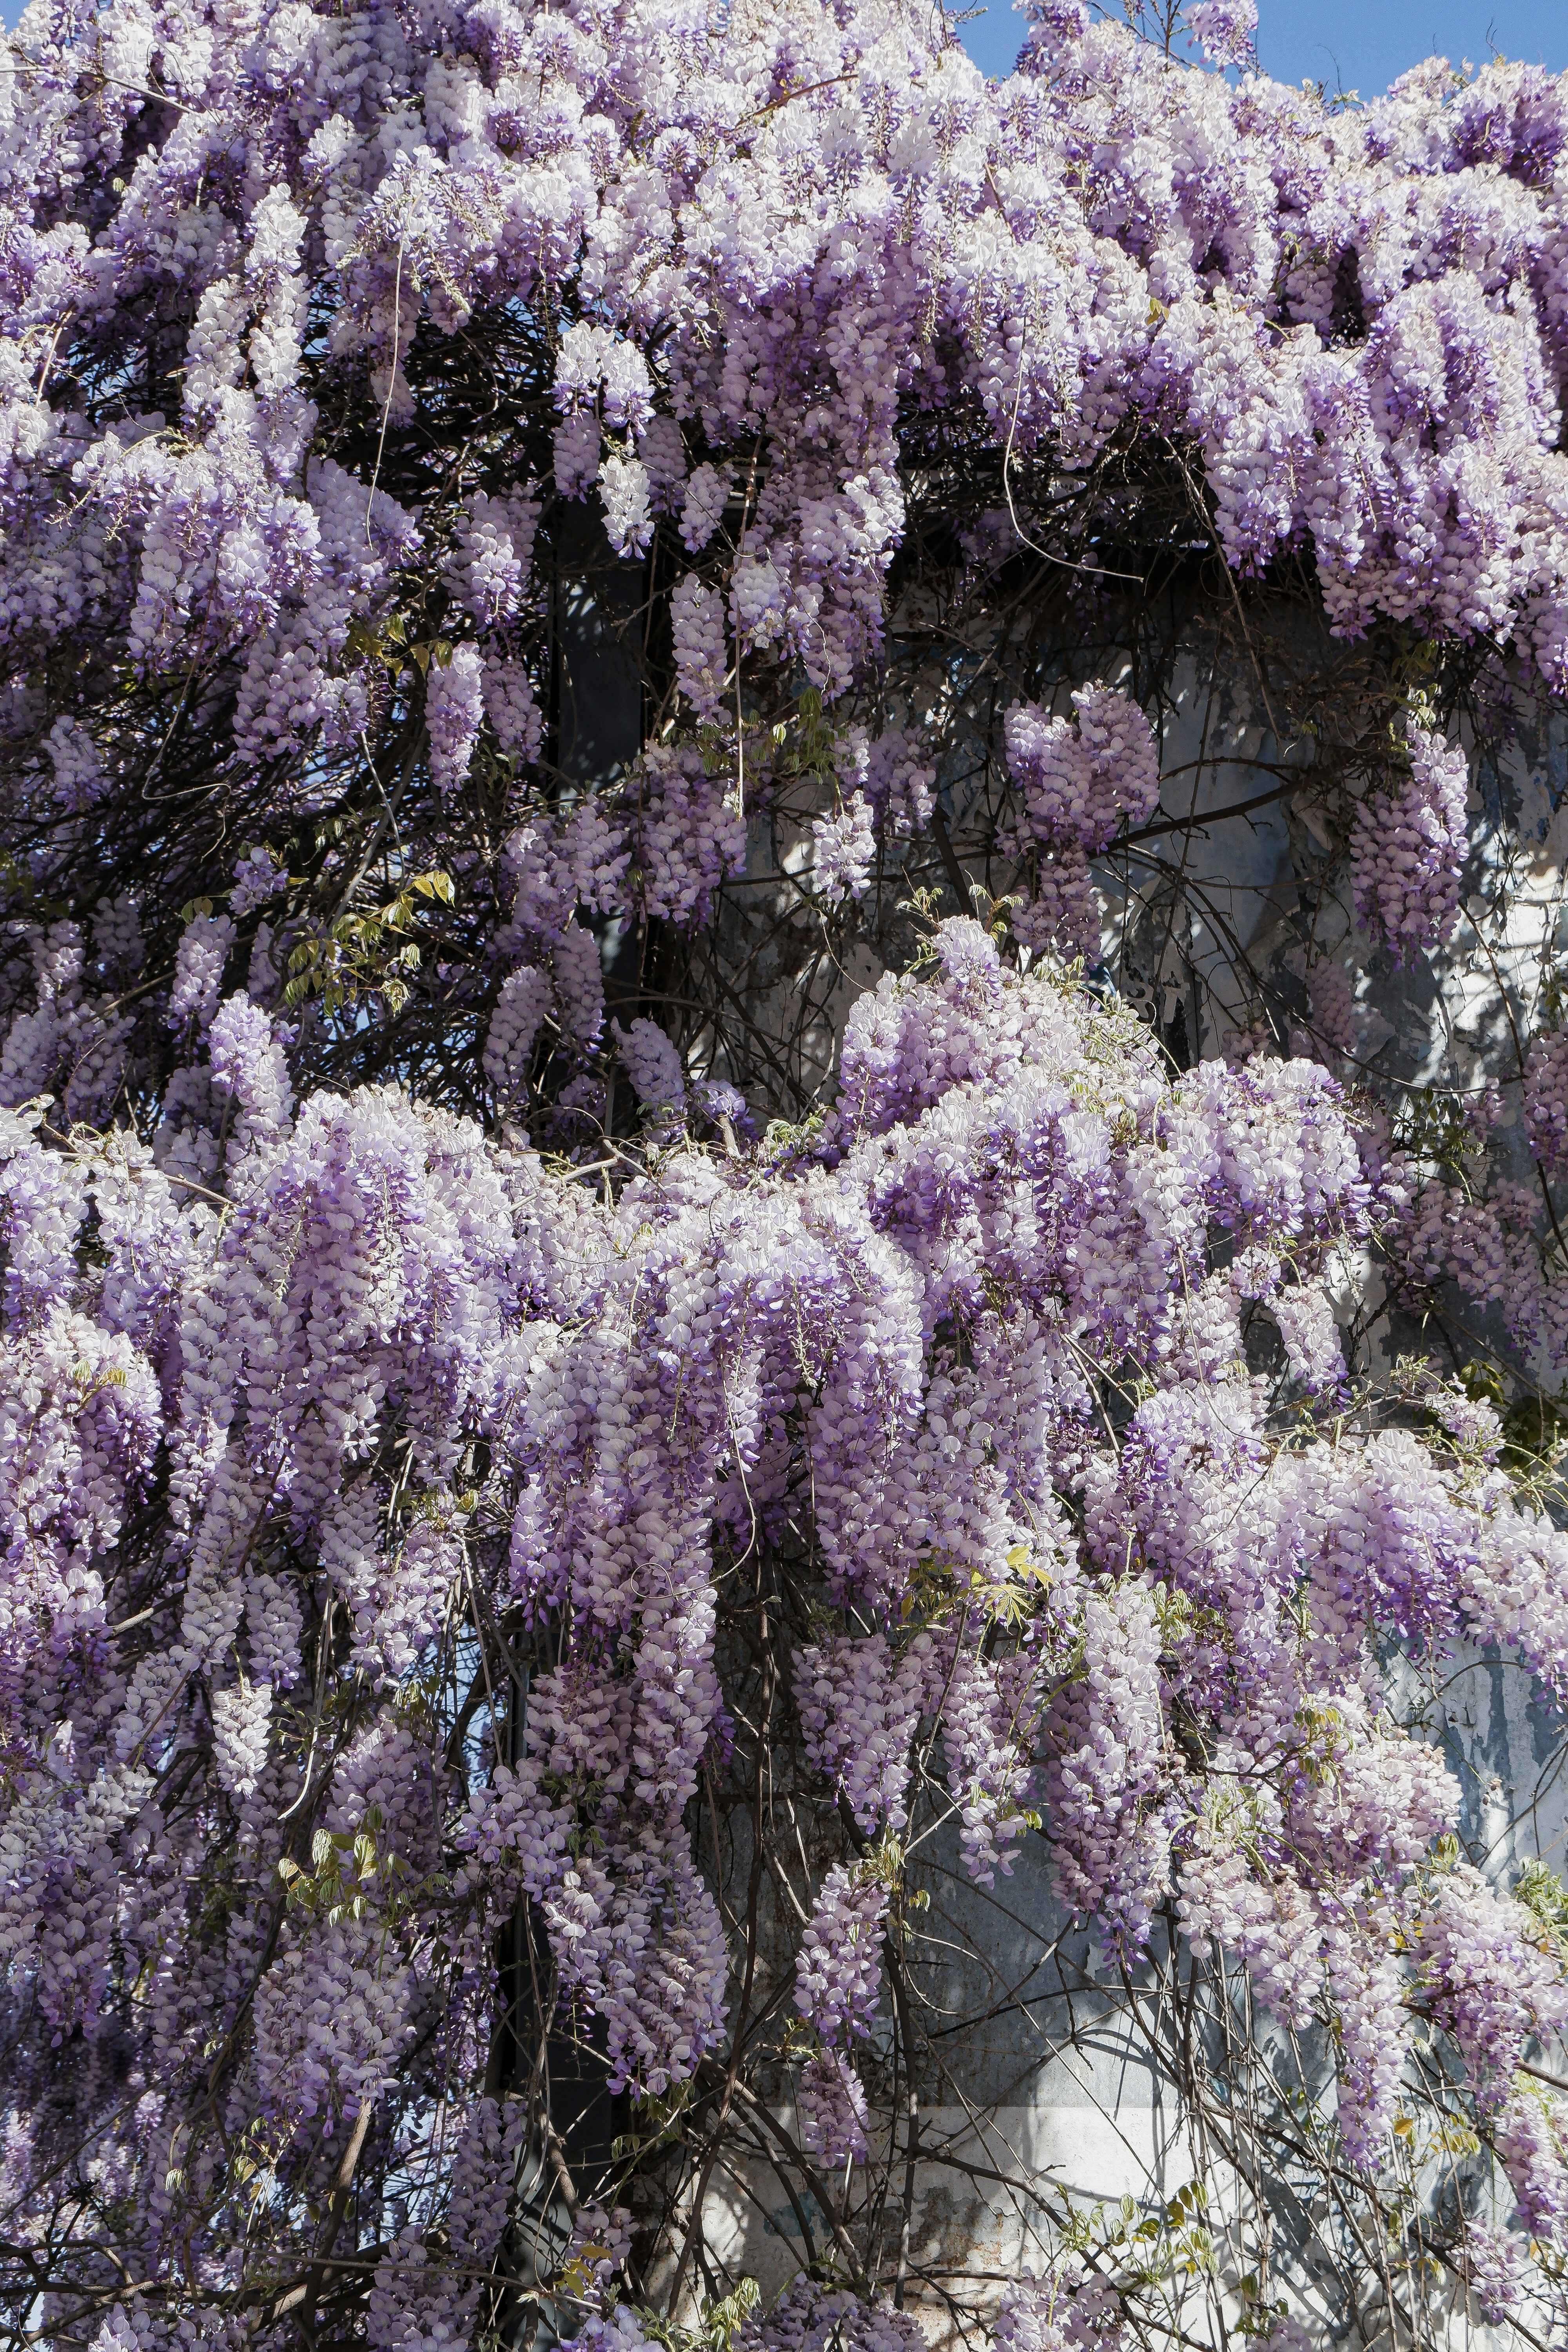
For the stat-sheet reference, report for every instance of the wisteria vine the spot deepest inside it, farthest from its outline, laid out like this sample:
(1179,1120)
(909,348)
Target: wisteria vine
(611,1412)
(300,1389)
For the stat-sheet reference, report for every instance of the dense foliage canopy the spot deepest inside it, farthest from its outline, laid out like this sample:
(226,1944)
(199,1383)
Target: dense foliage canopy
(638,1349)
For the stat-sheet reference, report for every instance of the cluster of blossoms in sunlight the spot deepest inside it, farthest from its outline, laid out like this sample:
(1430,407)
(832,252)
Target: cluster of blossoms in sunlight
(1409,847)
(1078,783)
(393,1466)
(405,1372)
(776,250)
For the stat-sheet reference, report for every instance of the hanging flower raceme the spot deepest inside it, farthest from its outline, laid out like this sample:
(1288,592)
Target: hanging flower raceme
(1407,850)
(409,1386)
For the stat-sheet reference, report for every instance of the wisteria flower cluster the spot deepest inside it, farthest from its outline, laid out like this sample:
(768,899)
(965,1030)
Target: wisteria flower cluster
(1078,783)
(714,283)
(1407,849)
(299,1388)
(453,1445)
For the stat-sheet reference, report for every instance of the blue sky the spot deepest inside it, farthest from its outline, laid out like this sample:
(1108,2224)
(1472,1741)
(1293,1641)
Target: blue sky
(1350,44)
(1355,44)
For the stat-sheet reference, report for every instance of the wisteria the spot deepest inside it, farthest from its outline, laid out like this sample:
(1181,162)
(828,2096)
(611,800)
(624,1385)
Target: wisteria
(833,2115)
(656,1392)
(411,1379)
(1078,784)
(1360,351)
(1546,1101)
(839,1971)
(1407,849)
